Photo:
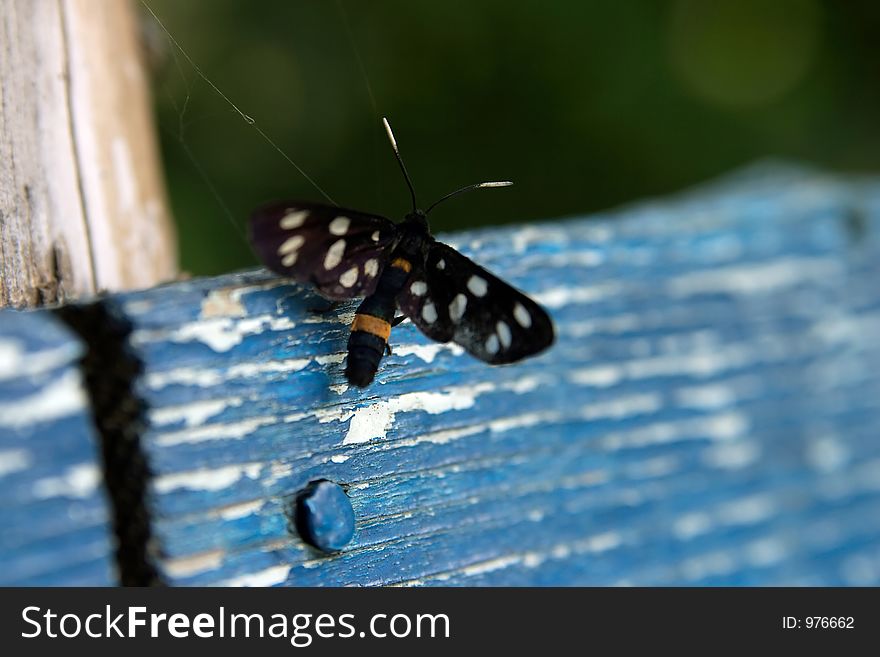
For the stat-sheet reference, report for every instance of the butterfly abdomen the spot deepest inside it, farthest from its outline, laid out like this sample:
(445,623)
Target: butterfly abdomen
(372,325)
(366,345)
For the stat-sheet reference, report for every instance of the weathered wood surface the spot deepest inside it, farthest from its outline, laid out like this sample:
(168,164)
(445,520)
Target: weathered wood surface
(54,518)
(82,199)
(709,414)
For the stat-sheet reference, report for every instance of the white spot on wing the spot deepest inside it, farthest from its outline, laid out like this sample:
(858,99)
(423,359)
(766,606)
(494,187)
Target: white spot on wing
(371,267)
(429,313)
(457,307)
(441,264)
(418,288)
(492,344)
(293,219)
(290,259)
(478,286)
(291,244)
(375,236)
(503,331)
(522,315)
(339,226)
(349,278)
(334,254)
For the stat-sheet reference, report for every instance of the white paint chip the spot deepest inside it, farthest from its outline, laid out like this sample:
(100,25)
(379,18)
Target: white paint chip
(189,566)
(600,377)
(220,302)
(224,302)
(14,460)
(477,286)
(560,297)
(78,481)
(427,352)
(374,421)
(206,479)
(17,361)
(293,219)
(267,577)
(757,278)
(193,413)
(219,333)
(62,397)
(206,378)
(339,226)
(207,432)
(334,254)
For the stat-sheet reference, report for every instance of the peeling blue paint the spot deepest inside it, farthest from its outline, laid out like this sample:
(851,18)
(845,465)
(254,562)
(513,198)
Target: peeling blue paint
(708,415)
(55,527)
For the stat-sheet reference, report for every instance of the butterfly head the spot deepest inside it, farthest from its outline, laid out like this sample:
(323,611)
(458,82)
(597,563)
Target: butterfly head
(417,218)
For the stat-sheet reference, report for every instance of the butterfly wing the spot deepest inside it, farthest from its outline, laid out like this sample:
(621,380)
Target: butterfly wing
(453,298)
(340,252)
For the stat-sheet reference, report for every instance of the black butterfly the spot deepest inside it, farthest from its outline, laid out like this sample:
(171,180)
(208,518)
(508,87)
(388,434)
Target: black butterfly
(345,254)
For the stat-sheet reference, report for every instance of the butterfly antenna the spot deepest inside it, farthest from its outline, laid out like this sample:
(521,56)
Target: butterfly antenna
(498,183)
(400,162)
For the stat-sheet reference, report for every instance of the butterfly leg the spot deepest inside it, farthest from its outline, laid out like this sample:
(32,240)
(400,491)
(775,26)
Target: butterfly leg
(394,322)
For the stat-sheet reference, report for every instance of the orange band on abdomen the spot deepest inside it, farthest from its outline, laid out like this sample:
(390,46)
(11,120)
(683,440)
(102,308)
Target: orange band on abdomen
(372,325)
(402,263)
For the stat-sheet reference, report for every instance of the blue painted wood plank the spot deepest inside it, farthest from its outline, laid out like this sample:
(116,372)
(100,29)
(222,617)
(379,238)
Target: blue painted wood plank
(708,415)
(55,527)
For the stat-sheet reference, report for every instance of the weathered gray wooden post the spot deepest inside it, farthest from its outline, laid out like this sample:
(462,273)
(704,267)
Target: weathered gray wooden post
(82,198)
(82,210)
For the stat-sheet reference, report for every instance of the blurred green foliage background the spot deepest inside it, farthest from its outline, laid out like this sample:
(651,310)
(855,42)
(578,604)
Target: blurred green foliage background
(583,103)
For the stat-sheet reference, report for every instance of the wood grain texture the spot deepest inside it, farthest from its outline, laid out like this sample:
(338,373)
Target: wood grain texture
(708,415)
(82,199)
(54,519)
